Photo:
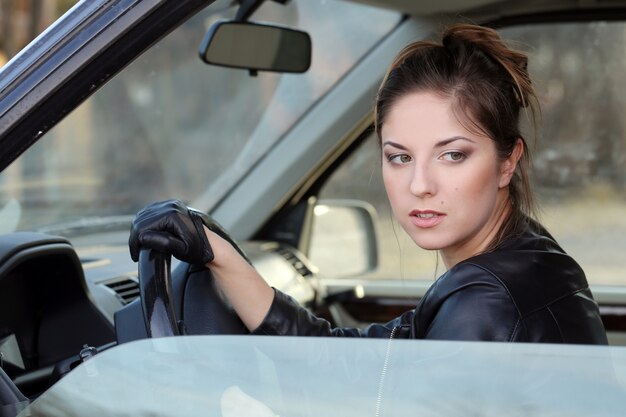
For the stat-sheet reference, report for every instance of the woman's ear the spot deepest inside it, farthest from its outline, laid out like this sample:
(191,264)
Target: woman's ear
(507,169)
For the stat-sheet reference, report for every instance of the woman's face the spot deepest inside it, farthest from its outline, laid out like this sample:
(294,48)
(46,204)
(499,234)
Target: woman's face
(445,184)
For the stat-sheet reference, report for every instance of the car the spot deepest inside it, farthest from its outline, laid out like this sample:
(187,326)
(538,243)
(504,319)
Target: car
(115,106)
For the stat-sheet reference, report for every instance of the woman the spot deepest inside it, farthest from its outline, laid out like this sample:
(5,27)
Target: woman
(454,164)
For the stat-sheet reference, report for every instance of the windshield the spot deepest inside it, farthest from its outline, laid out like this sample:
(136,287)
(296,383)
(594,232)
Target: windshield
(267,376)
(170,126)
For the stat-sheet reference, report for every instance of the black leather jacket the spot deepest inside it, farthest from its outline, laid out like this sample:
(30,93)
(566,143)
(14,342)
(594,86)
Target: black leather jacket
(527,290)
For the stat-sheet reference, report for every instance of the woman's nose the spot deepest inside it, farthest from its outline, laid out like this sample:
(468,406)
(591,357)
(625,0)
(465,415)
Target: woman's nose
(422,182)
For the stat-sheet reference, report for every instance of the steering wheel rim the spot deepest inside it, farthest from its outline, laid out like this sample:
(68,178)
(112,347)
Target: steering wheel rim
(155,289)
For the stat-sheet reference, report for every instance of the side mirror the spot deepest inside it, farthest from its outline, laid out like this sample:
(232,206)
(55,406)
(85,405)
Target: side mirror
(256,47)
(343,238)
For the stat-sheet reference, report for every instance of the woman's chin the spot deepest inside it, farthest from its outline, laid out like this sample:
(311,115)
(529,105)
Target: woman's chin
(427,240)
(427,244)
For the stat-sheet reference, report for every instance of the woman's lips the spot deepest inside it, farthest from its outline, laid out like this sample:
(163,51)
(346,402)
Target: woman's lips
(426,218)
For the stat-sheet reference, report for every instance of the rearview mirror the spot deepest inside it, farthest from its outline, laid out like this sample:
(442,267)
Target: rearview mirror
(256,47)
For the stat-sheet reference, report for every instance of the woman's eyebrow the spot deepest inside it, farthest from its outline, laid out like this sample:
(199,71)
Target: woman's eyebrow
(445,142)
(394,144)
(439,144)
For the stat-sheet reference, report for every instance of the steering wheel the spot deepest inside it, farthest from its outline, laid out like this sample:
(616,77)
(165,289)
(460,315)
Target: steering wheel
(155,289)
(204,308)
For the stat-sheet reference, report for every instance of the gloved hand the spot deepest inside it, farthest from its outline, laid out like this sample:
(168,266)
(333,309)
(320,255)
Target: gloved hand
(171,227)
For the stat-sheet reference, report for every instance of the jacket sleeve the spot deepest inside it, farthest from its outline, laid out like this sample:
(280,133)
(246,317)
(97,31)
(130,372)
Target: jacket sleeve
(287,318)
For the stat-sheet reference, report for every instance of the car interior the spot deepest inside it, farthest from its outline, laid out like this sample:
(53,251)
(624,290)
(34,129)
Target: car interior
(308,209)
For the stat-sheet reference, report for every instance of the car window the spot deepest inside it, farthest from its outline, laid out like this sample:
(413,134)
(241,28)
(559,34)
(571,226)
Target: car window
(579,157)
(171,126)
(235,376)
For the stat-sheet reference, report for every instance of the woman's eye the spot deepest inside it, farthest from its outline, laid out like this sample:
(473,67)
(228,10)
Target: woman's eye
(399,158)
(454,156)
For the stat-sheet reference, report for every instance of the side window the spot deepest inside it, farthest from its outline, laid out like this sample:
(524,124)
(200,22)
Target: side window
(579,155)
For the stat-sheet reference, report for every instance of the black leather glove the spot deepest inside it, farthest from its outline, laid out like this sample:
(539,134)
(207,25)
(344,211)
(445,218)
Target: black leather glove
(171,227)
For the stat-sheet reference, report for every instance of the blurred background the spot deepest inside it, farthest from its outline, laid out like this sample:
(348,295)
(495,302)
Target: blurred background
(22,20)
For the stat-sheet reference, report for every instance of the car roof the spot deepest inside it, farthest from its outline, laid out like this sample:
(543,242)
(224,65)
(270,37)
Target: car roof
(484,7)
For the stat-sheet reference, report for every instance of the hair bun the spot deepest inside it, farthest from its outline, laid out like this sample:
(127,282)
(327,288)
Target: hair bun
(462,40)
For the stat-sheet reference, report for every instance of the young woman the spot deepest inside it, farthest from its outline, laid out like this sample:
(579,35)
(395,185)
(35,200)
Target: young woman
(455,167)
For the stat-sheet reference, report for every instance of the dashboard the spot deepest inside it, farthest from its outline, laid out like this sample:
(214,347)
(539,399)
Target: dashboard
(56,298)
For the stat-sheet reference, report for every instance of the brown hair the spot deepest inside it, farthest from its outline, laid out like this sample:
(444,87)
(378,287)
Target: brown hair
(489,85)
